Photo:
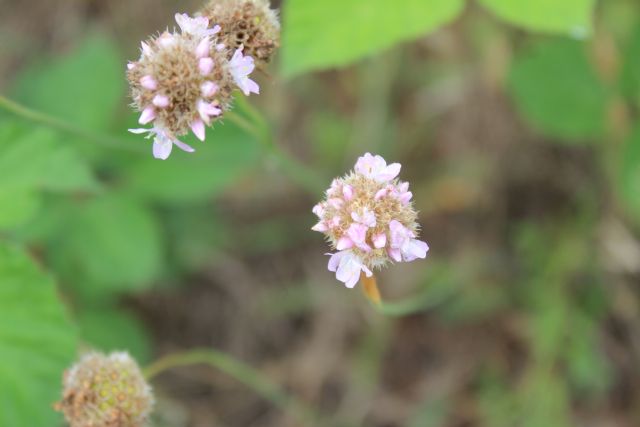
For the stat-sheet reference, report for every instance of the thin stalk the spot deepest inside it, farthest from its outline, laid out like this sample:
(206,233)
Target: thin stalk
(241,372)
(64,126)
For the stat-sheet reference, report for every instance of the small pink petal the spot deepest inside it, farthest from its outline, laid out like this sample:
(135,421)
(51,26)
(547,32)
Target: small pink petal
(321,227)
(344,243)
(220,47)
(148,114)
(161,101)
(130,65)
(148,82)
(318,210)
(146,50)
(347,192)
(405,197)
(395,254)
(162,148)
(380,240)
(198,129)
(203,48)
(380,194)
(216,29)
(336,203)
(205,65)
(208,89)
(184,147)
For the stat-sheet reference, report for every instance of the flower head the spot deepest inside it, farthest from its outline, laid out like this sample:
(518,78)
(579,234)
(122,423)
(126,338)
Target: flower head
(181,83)
(369,219)
(249,23)
(105,391)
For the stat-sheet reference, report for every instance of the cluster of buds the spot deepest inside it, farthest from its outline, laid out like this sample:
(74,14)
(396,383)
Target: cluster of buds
(368,218)
(105,391)
(184,80)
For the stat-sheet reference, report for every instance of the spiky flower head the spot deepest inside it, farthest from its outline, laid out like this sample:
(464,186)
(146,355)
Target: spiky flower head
(183,81)
(105,391)
(249,23)
(369,219)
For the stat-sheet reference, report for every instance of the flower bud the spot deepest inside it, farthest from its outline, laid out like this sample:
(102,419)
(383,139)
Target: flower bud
(249,23)
(105,391)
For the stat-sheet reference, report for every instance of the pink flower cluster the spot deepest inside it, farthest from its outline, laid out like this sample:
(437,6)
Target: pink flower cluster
(369,219)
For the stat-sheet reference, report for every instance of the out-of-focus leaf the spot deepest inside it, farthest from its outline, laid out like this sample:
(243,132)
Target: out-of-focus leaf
(37,158)
(37,342)
(16,207)
(114,245)
(185,177)
(629,170)
(572,17)
(558,92)
(112,329)
(84,86)
(335,33)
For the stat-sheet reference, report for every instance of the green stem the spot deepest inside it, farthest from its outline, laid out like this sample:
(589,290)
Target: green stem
(241,372)
(64,126)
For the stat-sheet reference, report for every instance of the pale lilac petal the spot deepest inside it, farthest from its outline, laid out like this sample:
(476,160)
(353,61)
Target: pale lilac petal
(205,65)
(335,221)
(148,82)
(403,187)
(139,130)
(184,147)
(388,173)
(148,114)
(414,249)
(321,227)
(220,47)
(318,210)
(130,65)
(161,101)
(162,148)
(380,240)
(216,29)
(334,261)
(203,48)
(250,87)
(358,234)
(349,270)
(207,110)
(344,243)
(166,39)
(395,254)
(198,129)
(208,89)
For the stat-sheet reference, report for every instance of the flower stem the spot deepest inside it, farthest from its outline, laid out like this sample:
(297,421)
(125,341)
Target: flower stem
(370,289)
(64,126)
(241,372)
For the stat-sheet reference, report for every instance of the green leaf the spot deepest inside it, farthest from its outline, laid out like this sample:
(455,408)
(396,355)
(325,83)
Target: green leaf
(572,17)
(629,181)
(16,207)
(110,329)
(227,153)
(38,158)
(85,86)
(558,92)
(37,342)
(113,244)
(335,33)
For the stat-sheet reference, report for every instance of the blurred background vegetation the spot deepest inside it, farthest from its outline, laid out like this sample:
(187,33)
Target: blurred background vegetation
(517,125)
